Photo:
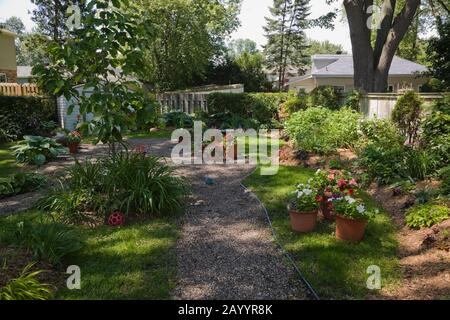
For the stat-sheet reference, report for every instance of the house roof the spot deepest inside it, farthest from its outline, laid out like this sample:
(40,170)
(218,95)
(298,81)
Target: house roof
(342,65)
(24,72)
(329,65)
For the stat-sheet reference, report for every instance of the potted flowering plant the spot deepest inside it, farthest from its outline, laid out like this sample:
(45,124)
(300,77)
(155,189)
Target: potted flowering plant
(329,184)
(304,208)
(352,217)
(73,141)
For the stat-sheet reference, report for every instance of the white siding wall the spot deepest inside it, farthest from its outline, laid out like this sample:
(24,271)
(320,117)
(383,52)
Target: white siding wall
(69,121)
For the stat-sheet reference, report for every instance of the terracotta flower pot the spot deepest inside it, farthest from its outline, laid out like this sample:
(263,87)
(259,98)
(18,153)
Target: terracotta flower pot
(326,211)
(350,229)
(303,221)
(73,147)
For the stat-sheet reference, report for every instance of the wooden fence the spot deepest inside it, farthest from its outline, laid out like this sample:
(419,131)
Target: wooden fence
(191,101)
(17,90)
(380,105)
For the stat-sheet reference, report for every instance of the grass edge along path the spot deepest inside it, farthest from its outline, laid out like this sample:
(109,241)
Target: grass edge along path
(335,269)
(137,261)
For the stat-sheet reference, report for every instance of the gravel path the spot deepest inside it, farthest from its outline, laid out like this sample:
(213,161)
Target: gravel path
(226,249)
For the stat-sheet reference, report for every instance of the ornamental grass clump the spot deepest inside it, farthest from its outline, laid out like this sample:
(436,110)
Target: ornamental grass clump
(129,182)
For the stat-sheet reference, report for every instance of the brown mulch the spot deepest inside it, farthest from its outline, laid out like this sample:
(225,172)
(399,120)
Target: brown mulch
(424,254)
(14,259)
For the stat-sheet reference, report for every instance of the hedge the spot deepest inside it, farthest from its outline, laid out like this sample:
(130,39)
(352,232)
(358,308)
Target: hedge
(21,116)
(261,108)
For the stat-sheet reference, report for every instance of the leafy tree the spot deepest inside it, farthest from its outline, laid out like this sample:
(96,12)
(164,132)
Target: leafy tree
(322,47)
(14,24)
(104,40)
(32,49)
(286,38)
(439,55)
(239,46)
(187,35)
(372,62)
(50,16)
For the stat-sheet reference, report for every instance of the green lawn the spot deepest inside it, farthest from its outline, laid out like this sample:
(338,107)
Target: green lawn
(161,134)
(337,270)
(134,262)
(7,161)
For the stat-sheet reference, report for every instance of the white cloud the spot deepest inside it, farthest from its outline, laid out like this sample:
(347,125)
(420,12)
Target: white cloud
(17,8)
(252,23)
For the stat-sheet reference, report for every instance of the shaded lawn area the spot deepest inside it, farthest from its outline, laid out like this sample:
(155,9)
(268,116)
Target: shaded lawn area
(8,165)
(161,134)
(134,262)
(336,270)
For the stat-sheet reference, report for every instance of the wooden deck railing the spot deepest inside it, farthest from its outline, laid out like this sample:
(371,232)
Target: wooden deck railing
(17,90)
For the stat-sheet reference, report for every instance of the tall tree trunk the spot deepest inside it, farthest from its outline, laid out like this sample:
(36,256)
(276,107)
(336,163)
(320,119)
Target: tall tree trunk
(371,66)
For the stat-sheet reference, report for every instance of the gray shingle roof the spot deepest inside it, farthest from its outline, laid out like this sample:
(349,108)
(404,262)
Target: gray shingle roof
(342,65)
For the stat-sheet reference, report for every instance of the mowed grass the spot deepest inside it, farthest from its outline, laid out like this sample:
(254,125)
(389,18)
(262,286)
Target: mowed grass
(336,270)
(8,165)
(134,262)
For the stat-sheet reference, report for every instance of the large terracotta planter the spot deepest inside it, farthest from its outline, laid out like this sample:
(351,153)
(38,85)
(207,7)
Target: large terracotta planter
(326,212)
(303,221)
(350,229)
(73,147)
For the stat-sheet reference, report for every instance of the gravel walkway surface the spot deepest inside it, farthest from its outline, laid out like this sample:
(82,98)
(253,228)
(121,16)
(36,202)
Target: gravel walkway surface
(226,249)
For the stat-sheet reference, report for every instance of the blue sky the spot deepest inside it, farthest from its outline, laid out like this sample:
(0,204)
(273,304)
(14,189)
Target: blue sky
(252,20)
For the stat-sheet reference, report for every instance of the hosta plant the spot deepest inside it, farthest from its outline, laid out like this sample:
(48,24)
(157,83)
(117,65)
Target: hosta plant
(37,150)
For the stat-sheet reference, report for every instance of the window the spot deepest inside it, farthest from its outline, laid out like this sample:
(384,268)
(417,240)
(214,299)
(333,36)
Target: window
(340,89)
(390,88)
(421,88)
(3,78)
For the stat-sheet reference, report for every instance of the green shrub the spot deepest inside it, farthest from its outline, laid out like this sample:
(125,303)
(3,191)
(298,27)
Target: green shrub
(352,100)
(129,182)
(419,163)
(21,116)
(294,104)
(407,113)
(425,216)
(25,287)
(380,131)
(383,163)
(48,242)
(325,96)
(444,175)
(37,150)
(323,131)
(436,133)
(21,183)
(178,119)
(261,108)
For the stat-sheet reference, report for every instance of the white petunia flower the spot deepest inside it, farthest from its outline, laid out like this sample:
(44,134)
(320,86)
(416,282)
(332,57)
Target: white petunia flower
(361,208)
(307,192)
(350,200)
(299,194)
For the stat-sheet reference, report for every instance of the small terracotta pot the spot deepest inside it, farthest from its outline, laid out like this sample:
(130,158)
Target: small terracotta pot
(73,147)
(303,221)
(350,229)
(326,211)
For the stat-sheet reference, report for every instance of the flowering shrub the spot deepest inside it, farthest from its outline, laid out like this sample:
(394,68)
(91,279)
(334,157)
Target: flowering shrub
(352,208)
(334,182)
(306,198)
